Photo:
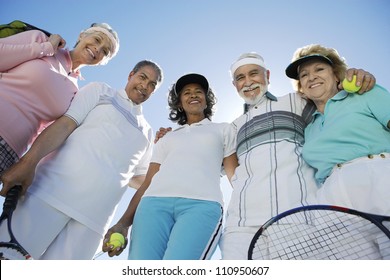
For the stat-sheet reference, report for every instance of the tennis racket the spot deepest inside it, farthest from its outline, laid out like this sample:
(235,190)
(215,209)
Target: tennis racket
(322,232)
(11,250)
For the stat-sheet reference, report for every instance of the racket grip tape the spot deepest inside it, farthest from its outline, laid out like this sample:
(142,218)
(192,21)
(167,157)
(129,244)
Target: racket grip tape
(12,199)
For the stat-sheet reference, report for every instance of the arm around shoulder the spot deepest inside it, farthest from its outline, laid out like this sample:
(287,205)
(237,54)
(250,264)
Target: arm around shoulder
(230,164)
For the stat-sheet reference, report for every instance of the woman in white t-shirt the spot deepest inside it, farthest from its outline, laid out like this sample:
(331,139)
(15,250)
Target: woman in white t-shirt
(177,212)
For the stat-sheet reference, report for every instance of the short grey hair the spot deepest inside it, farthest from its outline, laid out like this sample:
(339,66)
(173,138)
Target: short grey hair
(114,39)
(154,65)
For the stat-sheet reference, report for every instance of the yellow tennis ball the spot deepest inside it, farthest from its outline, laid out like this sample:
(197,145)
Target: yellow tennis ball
(351,86)
(116,240)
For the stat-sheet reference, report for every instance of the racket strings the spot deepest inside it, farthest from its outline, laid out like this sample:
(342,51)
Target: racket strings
(322,234)
(9,251)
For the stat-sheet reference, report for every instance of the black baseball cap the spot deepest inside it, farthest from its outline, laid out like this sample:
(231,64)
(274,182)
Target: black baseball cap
(192,78)
(292,69)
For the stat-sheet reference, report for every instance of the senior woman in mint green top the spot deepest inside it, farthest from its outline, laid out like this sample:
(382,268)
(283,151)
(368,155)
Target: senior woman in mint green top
(348,141)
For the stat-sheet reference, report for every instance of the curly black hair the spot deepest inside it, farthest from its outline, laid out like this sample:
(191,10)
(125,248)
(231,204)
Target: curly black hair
(177,114)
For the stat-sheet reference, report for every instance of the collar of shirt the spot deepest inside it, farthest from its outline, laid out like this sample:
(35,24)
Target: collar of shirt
(341,95)
(268,95)
(202,122)
(271,96)
(136,109)
(75,74)
(263,98)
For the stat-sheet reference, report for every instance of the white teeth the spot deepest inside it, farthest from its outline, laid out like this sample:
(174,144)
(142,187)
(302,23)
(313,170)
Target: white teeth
(315,85)
(250,89)
(91,53)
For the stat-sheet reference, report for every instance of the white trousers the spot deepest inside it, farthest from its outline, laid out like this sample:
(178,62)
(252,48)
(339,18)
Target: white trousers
(234,243)
(49,234)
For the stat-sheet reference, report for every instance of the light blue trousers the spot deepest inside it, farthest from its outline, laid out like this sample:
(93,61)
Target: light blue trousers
(171,228)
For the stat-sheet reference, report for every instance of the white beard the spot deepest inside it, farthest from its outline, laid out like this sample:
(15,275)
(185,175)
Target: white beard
(254,98)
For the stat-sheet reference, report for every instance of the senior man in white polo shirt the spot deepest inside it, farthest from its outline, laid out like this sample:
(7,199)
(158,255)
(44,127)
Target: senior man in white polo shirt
(89,156)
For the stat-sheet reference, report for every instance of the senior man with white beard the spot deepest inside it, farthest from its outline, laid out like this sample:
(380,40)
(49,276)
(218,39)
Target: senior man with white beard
(272,176)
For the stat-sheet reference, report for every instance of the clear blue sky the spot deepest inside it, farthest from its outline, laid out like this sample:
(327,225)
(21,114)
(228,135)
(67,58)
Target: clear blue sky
(205,36)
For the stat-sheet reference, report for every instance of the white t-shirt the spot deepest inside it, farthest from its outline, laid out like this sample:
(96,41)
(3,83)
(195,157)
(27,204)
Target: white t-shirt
(87,176)
(272,176)
(191,159)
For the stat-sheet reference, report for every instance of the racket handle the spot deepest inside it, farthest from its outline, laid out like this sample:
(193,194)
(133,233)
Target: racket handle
(12,199)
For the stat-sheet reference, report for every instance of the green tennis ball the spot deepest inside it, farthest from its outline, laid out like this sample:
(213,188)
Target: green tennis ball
(351,86)
(116,240)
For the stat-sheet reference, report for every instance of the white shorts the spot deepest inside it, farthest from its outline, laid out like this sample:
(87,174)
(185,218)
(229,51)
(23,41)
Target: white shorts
(47,233)
(361,184)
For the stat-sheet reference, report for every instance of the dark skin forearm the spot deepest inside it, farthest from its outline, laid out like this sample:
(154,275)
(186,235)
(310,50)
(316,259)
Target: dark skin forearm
(23,172)
(124,223)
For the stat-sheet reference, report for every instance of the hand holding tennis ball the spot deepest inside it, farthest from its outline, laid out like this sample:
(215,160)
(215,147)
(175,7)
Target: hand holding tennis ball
(116,240)
(350,86)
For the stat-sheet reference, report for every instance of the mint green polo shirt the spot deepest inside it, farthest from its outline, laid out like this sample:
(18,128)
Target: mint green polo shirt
(352,126)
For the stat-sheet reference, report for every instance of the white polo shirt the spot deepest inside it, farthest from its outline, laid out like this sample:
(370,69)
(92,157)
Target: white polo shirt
(191,159)
(272,176)
(87,176)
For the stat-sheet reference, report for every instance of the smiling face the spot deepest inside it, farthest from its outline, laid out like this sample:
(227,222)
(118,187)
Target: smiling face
(318,81)
(193,102)
(251,82)
(91,49)
(141,84)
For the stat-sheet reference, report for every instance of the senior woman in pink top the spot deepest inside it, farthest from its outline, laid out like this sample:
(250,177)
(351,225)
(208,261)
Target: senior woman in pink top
(38,80)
